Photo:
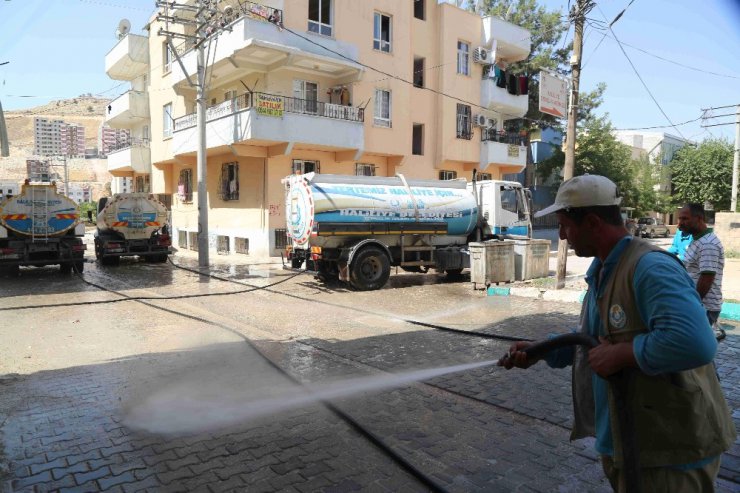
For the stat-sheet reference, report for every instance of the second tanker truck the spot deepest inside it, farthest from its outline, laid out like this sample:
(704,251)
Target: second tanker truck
(132,224)
(355,228)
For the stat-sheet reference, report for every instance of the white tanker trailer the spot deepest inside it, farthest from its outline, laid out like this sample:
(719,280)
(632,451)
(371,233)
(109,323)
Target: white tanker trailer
(40,227)
(132,224)
(355,228)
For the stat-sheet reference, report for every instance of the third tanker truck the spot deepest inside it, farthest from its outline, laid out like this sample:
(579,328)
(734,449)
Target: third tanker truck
(355,228)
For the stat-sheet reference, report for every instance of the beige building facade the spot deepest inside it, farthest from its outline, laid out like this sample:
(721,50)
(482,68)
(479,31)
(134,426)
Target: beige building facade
(374,87)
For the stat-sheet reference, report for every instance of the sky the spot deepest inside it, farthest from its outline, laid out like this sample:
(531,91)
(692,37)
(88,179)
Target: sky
(56,49)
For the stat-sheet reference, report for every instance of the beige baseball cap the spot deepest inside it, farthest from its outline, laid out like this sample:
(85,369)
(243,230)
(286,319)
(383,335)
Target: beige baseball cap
(584,191)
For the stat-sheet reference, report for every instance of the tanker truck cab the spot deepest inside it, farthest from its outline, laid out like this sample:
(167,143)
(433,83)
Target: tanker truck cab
(504,208)
(355,228)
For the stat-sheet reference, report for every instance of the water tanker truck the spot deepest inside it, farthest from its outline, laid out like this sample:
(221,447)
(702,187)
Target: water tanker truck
(40,226)
(355,228)
(131,224)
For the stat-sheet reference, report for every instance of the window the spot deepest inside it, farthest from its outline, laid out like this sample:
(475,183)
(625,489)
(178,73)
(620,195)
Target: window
(319,16)
(229,95)
(302,167)
(447,175)
(419,9)
(307,95)
(510,200)
(463,58)
(167,120)
(464,122)
(166,58)
(362,169)
(229,181)
(142,184)
(484,176)
(382,108)
(417,140)
(382,33)
(418,72)
(185,185)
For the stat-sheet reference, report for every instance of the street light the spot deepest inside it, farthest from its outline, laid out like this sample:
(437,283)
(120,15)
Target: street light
(4,144)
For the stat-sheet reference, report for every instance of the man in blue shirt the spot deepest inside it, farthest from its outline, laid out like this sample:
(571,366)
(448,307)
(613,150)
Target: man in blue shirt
(630,306)
(680,241)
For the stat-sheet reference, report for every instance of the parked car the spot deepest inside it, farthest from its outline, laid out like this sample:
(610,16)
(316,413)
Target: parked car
(651,227)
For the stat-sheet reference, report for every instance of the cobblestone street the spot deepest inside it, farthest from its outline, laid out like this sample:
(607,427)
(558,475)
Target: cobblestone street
(175,394)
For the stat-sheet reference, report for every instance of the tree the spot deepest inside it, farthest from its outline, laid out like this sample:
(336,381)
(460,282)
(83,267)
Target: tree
(703,174)
(648,178)
(598,152)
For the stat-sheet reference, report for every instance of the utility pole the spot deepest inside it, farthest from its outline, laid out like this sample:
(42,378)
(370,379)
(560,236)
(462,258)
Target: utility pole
(207,20)
(736,159)
(578,16)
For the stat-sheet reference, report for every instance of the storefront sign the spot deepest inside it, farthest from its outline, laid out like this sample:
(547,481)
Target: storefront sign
(513,150)
(553,95)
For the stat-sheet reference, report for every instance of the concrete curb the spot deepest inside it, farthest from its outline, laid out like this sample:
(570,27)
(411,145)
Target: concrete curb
(730,311)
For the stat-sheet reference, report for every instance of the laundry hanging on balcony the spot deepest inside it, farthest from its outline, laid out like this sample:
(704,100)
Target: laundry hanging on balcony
(499,76)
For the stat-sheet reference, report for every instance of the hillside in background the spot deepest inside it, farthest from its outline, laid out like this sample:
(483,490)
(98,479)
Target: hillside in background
(85,110)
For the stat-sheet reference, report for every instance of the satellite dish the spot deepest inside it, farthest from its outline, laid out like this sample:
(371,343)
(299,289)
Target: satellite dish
(123,28)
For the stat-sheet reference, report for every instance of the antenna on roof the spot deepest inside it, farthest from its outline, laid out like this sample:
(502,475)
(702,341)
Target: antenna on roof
(123,28)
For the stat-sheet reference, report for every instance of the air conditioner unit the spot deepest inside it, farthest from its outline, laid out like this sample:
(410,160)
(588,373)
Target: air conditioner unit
(491,123)
(481,121)
(482,55)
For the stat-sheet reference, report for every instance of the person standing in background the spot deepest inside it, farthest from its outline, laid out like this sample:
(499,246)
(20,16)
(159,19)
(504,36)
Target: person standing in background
(680,242)
(704,260)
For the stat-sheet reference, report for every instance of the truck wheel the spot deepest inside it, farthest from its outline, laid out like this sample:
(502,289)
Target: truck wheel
(665,235)
(370,269)
(296,263)
(454,273)
(79,266)
(65,268)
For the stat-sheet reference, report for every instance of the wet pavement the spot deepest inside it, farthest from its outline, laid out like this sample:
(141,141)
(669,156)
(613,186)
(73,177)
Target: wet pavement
(91,391)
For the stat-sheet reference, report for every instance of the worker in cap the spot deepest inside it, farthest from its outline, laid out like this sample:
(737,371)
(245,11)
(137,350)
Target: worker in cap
(681,421)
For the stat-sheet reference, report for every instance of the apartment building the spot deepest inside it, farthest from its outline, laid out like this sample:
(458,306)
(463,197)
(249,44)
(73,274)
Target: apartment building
(125,129)
(47,136)
(73,139)
(112,139)
(58,138)
(374,88)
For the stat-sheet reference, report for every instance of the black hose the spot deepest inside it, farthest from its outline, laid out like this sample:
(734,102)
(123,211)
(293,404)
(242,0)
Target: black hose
(540,349)
(619,383)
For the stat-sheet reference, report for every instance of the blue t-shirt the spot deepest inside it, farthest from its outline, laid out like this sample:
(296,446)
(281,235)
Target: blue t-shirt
(675,341)
(680,241)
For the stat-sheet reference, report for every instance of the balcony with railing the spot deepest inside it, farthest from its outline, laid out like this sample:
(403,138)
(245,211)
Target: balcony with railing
(502,149)
(256,42)
(129,157)
(261,116)
(129,58)
(128,109)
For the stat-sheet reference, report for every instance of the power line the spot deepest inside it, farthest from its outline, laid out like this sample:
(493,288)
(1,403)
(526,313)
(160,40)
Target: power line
(719,125)
(637,73)
(662,126)
(671,61)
